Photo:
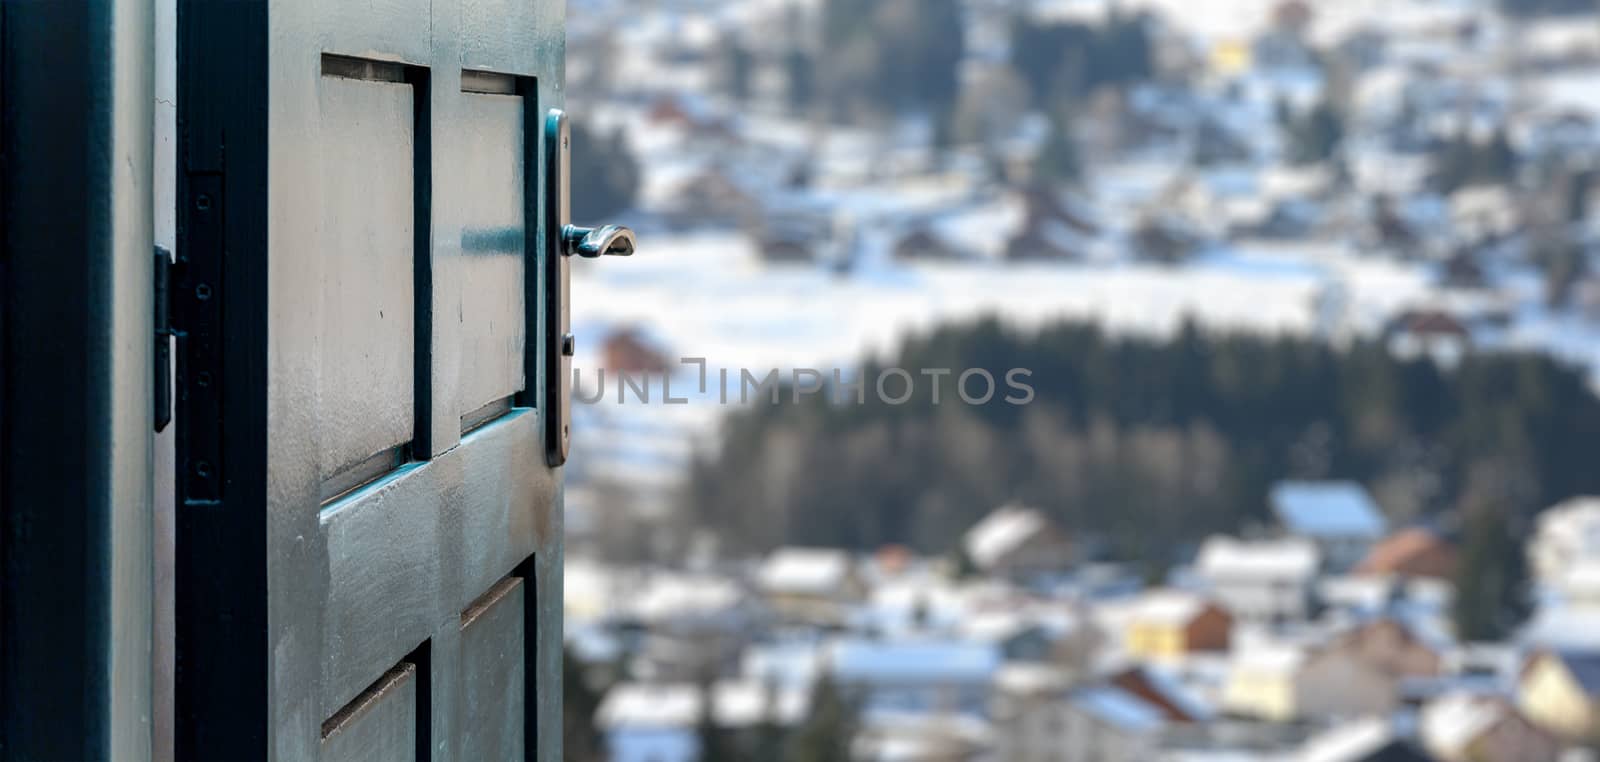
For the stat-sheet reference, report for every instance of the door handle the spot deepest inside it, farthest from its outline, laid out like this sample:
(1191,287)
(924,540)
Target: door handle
(610,240)
(563,240)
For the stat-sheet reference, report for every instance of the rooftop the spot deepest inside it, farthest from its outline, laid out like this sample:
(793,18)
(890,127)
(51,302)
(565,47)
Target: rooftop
(805,570)
(1117,707)
(926,661)
(1003,531)
(1327,509)
(1224,557)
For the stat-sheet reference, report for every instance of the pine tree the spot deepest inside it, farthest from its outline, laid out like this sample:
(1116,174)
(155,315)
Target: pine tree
(767,741)
(713,746)
(1490,597)
(738,66)
(1316,136)
(605,174)
(801,76)
(581,740)
(1058,161)
(830,728)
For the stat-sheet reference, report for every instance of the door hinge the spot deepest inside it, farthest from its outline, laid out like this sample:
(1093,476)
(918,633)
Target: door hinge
(162,365)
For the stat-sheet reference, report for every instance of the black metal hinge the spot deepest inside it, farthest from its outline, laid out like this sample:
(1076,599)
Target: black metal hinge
(163,338)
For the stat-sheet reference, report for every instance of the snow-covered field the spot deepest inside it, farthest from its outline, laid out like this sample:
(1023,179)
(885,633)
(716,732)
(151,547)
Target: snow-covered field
(708,295)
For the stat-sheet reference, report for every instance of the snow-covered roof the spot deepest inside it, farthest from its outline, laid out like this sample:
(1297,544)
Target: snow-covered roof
(674,596)
(1168,607)
(789,663)
(929,661)
(1278,658)
(1003,531)
(1584,667)
(1031,678)
(1582,577)
(677,705)
(815,571)
(994,626)
(1327,509)
(1181,697)
(1451,722)
(1351,742)
(1225,558)
(1118,708)
(1572,524)
(1560,626)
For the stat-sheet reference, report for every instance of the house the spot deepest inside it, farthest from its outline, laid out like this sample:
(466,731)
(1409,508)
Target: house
(690,621)
(922,244)
(1411,552)
(915,676)
(1579,588)
(630,350)
(659,722)
(1484,211)
(1169,624)
(921,738)
(1018,543)
(810,585)
(1433,334)
(1018,638)
(1154,686)
(1259,581)
(1560,692)
(1052,229)
(713,198)
(1165,239)
(1564,533)
(1467,727)
(1280,682)
(1392,647)
(1340,517)
(1100,722)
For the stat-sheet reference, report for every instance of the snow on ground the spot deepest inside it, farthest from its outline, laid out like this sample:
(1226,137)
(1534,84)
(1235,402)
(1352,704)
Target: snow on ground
(707,295)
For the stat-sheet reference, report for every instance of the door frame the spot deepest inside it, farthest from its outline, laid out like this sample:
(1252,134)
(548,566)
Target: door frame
(76,435)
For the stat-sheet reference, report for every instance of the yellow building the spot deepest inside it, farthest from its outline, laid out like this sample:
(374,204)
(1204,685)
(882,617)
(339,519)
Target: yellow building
(1167,625)
(1560,691)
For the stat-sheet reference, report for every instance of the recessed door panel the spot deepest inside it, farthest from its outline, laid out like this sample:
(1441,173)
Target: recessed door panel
(493,239)
(365,387)
(492,674)
(380,725)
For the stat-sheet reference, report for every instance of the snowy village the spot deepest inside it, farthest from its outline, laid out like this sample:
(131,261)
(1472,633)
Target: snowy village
(1308,294)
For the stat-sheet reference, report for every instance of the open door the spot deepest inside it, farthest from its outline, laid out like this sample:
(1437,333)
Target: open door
(368,522)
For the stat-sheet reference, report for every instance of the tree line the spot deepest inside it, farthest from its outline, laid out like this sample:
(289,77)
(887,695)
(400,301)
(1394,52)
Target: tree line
(1142,446)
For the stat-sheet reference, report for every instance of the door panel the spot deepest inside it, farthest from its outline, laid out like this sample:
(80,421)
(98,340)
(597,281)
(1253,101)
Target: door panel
(380,725)
(491,674)
(365,390)
(493,239)
(387,500)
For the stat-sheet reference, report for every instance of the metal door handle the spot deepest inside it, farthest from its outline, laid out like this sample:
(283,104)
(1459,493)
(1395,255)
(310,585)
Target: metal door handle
(562,241)
(611,240)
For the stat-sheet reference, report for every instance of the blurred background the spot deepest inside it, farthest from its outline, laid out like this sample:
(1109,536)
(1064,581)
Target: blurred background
(1308,298)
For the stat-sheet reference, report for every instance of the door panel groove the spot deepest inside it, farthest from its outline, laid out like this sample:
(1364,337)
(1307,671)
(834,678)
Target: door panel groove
(366,472)
(348,714)
(350,67)
(486,601)
(485,415)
